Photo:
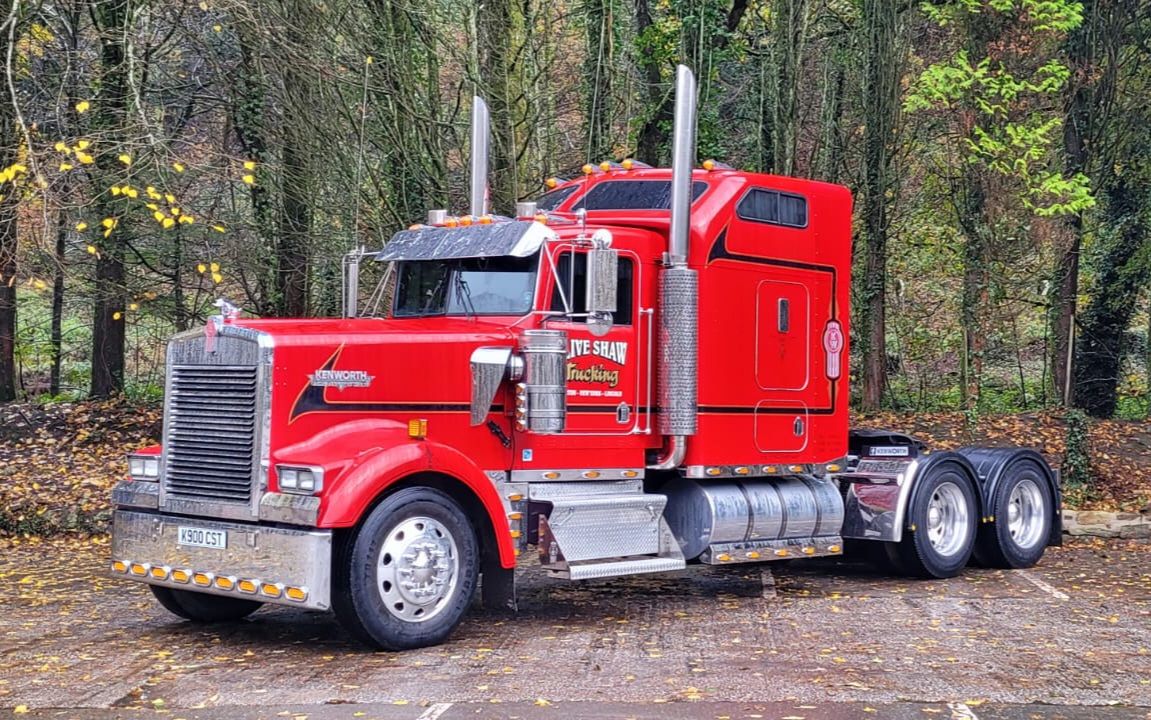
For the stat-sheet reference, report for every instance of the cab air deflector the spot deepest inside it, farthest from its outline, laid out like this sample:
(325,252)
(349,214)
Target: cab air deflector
(517,238)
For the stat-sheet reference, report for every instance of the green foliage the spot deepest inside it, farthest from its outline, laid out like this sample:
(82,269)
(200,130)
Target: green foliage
(1076,468)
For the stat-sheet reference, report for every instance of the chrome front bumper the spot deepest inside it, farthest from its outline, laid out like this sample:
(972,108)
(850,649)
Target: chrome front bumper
(268,564)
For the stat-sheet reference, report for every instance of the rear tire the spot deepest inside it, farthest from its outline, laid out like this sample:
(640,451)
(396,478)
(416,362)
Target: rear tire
(407,577)
(1023,510)
(203,608)
(942,523)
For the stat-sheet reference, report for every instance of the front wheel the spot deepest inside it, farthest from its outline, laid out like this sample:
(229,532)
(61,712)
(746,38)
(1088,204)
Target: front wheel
(942,518)
(408,576)
(202,607)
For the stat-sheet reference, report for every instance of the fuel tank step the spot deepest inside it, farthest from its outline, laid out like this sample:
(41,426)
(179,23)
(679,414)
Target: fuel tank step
(596,536)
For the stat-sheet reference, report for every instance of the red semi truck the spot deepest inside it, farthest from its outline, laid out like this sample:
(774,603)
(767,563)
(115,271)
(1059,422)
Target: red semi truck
(644,369)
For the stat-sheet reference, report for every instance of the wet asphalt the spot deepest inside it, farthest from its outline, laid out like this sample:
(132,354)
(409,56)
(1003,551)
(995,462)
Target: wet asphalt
(813,639)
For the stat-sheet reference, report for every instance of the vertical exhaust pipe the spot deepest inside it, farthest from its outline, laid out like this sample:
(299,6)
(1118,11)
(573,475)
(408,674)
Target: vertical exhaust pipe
(679,291)
(481,139)
(682,162)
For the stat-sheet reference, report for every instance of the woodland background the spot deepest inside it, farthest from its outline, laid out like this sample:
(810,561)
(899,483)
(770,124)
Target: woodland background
(157,155)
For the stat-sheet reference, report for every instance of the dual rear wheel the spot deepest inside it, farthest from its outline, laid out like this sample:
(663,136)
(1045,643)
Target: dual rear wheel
(944,528)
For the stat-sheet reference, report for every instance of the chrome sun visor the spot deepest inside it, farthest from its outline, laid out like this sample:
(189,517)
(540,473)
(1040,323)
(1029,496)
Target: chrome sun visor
(503,239)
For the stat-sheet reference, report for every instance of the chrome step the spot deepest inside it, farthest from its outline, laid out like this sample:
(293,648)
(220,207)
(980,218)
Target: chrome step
(605,535)
(618,568)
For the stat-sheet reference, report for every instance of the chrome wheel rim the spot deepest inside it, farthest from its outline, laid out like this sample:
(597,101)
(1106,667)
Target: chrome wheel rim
(947,519)
(1026,514)
(417,569)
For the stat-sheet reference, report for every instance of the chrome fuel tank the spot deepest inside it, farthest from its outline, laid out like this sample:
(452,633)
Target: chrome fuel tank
(784,508)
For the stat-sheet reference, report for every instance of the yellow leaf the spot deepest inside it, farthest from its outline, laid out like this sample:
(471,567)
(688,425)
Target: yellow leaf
(152,206)
(219,228)
(170,198)
(133,306)
(84,158)
(217,278)
(217,28)
(65,167)
(215,267)
(20,709)
(167,222)
(203,6)
(125,158)
(160,217)
(83,144)
(249,164)
(175,211)
(202,268)
(108,222)
(40,284)
(91,249)
(115,189)
(81,226)
(132,193)
(82,106)
(186,219)
(116,315)
(368,60)
(178,167)
(250,179)
(62,146)
(107,232)
(540,702)
(152,193)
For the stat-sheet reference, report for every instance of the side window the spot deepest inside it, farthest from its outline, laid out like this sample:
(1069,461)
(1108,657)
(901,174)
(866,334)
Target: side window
(774,207)
(575,287)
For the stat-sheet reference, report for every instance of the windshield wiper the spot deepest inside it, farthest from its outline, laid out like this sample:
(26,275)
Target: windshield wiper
(464,294)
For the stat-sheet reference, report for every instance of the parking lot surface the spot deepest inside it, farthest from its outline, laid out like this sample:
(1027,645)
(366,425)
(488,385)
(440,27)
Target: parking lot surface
(811,639)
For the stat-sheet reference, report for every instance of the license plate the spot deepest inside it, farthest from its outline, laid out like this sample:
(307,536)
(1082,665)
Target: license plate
(202,537)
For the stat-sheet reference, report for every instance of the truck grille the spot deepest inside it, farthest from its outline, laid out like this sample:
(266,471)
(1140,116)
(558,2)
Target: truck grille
(211,432)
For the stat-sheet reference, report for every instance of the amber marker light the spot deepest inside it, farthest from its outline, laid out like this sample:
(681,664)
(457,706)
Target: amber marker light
(833,549)
(551,475)
(515,516)
(605,166)
(181,576)
(202,579)
(627,164)
(541,218)
(770,469)
(795,468)
(138,569)
(630,473)
(297,594)
(485,220)
(271,590)
(713,471)
(742,470)
(591,474)
(551,183)
(588,169)
(834,468)
(119,566)
(781,553)
(247,586)
(515,497)
(465,220)
(417,428)
(709,165)
(753,555)
(160,573)
(225,583)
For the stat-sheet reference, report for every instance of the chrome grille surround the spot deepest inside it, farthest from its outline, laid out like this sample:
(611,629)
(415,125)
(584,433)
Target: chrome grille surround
(217,403)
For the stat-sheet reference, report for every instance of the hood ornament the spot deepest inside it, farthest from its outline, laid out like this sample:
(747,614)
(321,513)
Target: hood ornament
(227,309)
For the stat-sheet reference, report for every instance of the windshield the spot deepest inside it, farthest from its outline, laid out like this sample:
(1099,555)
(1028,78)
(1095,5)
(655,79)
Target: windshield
(471,286)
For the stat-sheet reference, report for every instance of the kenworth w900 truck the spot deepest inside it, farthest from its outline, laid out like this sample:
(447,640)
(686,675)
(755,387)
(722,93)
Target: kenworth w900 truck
(644,369)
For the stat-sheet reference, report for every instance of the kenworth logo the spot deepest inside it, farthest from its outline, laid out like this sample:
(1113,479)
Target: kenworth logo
(340,379)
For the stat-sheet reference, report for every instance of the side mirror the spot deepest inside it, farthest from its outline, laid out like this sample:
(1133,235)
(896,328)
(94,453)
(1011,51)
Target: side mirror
(602,288)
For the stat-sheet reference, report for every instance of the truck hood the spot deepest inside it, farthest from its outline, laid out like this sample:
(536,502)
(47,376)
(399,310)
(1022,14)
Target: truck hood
(332,370)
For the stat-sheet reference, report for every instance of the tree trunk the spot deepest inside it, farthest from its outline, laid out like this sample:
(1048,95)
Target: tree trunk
(56,337)
(110,115)
(790,39)
(599,72)
(881,112)
(653,143)
(1102,342)
(9,143)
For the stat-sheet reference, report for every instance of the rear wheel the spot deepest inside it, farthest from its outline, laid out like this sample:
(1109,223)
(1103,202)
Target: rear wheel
(1022,508)
(408,576)
(203,608)
(942,519)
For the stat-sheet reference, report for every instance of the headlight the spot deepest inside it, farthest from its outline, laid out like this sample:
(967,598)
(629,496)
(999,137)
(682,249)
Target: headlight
(144,467)
(300,480)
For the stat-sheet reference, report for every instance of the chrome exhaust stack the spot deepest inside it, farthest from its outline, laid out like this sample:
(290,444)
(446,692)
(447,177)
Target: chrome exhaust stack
(679,291)
(481,140)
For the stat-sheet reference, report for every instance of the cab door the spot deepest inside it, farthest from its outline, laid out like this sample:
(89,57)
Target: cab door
(603,382)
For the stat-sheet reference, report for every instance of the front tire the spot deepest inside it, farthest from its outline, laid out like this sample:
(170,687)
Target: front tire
(942,519)
(407,577)
(1023,512)
(203,608)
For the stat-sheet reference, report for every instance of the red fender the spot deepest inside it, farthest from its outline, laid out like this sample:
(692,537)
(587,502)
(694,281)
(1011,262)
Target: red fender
(374,472)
